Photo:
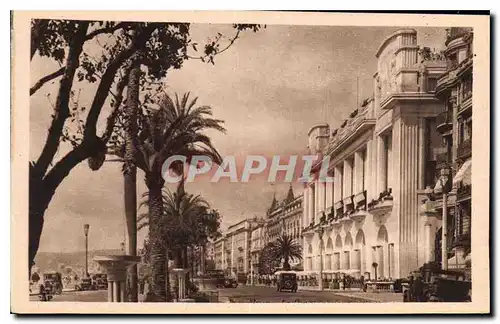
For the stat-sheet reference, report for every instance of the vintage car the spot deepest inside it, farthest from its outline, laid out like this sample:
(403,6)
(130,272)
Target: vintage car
(431,284)
(44,293)
(85,284)
(287,281)
(100,280)
(52,281)
(230,282)
(223,280)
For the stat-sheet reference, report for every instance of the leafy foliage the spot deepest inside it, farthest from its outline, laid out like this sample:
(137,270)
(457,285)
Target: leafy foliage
(187,219)
(287,249)
(268,264)
(114,48)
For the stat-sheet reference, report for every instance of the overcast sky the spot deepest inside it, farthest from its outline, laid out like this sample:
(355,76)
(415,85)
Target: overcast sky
(270,88)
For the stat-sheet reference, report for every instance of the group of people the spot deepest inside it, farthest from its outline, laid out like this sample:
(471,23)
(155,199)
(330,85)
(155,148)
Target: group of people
(263,279)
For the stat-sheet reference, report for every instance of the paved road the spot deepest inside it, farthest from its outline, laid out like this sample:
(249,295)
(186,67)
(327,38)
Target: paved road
(242,294)
(261,294)
(80,296)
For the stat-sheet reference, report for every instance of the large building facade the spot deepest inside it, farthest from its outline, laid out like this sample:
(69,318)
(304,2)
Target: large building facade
(232,250)
(366,222)
(285,218)
(454,88)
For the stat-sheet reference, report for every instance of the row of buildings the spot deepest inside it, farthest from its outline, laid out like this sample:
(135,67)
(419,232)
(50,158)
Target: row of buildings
(399,159)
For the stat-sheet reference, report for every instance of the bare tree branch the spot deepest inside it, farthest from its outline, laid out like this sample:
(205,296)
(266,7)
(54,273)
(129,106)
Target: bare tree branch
(110,123)
(46,79)
(108,78)
(61,112)
(107,30)
(231,42)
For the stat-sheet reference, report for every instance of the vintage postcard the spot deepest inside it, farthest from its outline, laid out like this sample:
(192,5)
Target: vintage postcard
(250,162)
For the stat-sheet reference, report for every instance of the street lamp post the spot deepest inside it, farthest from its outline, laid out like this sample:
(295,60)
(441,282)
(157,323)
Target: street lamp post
(86,232)
(444,187)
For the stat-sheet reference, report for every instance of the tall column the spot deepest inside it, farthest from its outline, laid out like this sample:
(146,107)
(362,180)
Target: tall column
(324,195)
(110,291)
(116,291)
(337,185)
(122,291)
(311,204)
(347,179)
(381,174)
(406,194)
(370,166)
(305,206)
(358,172)
(328,196)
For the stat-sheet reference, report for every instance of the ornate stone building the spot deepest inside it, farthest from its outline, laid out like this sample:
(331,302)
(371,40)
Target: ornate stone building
(454,89)
(285,217)
(366,221)
(232,250)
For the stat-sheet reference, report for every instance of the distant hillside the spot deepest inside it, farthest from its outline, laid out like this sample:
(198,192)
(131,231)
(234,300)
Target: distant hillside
(52,261)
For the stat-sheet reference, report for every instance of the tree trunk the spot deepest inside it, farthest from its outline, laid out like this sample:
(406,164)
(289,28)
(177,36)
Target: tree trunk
(158,249)
(41,191)
(167,271)
(130,174)
(286,264)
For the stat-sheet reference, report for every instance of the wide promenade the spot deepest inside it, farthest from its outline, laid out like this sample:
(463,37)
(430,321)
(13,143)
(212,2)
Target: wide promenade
(249,294)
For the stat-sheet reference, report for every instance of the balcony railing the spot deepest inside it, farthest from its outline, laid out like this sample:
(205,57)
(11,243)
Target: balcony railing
(444,122)
(339,208)
(349,204)
(360,200)
(464,149)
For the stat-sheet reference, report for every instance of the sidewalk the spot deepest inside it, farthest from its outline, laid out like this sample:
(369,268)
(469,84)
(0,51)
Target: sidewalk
(376,297)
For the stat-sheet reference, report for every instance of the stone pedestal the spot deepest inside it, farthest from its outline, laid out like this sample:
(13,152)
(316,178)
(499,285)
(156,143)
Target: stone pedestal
(181,280)
(116,267)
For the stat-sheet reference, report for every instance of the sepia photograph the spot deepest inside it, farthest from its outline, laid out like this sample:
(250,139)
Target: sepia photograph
(250,159)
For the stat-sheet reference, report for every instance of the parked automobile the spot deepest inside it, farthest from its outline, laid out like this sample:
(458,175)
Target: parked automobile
(85,284)
(287,281)
(44,293)
(52,281)
(431,284)
(223,281)
(230,282)
(100,280)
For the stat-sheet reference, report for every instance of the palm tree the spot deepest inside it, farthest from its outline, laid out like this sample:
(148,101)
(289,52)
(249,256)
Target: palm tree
(130,173)
(172,129)
(182,224)
(287,249)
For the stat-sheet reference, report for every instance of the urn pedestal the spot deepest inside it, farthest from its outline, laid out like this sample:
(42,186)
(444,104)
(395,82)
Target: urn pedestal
(116,267)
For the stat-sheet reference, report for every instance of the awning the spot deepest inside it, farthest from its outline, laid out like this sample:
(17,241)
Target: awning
(464,174)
